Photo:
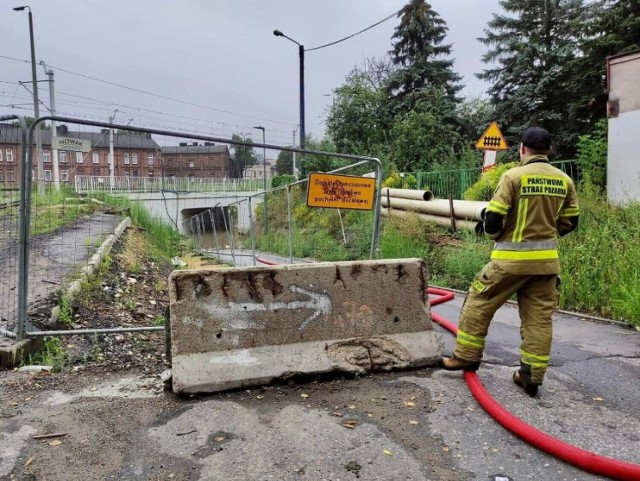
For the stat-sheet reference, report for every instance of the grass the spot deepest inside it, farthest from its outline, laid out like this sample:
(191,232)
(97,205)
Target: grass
(52,354)
(52,210)
(600,260)
(164,238)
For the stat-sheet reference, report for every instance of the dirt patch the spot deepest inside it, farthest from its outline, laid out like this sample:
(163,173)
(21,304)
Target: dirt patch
(131,290)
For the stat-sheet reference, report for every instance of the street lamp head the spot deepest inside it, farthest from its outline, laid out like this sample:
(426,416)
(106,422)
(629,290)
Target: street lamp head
(277,33)
(20,9)
(259,127)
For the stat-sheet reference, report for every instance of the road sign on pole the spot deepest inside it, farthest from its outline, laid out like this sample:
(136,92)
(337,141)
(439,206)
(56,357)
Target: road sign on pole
(492,139)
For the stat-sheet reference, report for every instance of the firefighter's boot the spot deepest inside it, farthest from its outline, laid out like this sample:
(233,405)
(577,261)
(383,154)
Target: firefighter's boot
(454,363)
(529,387)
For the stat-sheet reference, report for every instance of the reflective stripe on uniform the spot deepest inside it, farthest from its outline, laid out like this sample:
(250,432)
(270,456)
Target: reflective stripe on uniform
(469,340)
(526,246)
(533,359)
(521,220)
(570,212)
(525,255)
(498,207)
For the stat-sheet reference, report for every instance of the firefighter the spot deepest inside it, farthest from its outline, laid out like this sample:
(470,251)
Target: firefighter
(534,203)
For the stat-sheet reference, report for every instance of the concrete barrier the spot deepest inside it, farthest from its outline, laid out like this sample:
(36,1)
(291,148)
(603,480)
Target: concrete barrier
(239,327)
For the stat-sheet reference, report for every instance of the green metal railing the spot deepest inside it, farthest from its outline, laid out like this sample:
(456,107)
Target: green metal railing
(454,183)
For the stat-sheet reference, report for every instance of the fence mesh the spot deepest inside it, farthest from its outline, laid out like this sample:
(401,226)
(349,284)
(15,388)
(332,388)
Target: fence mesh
(9,225)
(454,183)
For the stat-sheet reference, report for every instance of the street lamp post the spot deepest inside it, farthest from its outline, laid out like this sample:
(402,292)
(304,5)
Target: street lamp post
(36,109)
(278,33)
(264,174)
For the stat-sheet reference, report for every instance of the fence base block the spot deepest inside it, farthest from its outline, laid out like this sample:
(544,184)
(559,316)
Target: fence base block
(12,352)
(240,327)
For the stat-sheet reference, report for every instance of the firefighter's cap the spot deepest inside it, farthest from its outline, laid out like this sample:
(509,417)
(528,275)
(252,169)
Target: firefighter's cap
(536,138)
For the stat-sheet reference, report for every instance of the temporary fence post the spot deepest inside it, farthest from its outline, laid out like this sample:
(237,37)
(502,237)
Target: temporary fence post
(290,221)
(226,228)
(25,209)
(375,237)
(253,239)
(214,232)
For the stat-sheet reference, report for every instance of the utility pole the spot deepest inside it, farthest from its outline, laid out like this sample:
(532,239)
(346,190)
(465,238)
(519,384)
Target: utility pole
(52,109)
(111,156)
(36,102)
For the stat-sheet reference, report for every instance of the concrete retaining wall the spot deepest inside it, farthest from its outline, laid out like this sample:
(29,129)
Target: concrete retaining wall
(239,327)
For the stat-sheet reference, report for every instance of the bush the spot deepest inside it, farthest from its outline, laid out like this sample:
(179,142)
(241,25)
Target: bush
(283,179)
(592,155)
(483,189)
(396,181)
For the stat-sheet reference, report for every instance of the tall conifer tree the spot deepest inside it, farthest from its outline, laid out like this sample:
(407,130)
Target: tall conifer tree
(420,54)
(531,52)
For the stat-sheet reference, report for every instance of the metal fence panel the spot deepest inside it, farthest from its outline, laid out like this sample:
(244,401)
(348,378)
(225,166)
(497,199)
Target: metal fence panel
(13,136)
(225,215)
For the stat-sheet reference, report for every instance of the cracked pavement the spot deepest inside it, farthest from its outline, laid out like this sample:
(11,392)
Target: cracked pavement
(413,425)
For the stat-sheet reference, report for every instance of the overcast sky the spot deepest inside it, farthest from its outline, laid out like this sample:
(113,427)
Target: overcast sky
(219,55)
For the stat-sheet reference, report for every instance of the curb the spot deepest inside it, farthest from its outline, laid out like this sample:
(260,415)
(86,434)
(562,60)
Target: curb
(92,266)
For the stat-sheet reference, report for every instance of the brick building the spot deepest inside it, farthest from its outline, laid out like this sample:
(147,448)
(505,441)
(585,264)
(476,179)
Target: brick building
(198,161)
(135,155)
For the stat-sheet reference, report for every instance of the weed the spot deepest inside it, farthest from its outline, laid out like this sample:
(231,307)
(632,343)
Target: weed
(159,320)
(159,287)
(96,349)
(66,310)
(51,354)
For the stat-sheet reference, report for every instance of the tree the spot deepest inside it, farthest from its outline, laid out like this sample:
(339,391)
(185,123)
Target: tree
(244,156)
(284,163)
(358,122)
(420,137)
(419,54)
(532,82)
(611,27)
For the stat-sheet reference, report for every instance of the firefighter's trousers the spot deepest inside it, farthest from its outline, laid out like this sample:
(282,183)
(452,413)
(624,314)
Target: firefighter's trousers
(537,298)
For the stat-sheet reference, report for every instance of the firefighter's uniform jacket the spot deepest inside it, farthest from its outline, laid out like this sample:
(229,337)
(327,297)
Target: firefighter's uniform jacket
(534,203)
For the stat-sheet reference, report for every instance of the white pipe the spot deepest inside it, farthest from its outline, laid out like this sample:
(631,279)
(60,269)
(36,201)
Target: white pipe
(435,219)
(407,194)
(462,209)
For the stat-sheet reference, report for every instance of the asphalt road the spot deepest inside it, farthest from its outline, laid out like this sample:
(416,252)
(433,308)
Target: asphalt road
(417,425)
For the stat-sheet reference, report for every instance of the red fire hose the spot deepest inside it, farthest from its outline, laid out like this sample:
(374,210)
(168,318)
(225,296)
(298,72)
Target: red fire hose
(585,460)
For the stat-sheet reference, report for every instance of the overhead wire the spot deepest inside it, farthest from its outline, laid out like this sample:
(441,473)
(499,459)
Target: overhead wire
(146,92)
(388,17)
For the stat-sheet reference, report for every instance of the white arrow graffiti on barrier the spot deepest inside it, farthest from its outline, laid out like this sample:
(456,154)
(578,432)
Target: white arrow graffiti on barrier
(320,303)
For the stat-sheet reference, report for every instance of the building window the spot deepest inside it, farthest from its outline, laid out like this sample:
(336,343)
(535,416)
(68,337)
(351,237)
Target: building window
(9,155)
(96,157)
(47,175)
(150,158)
(126,173)
(96,172)
(46,156)
(79,158)
(10,176)
(134,159)
(192,178)
(151,173)
(1,176)
(64,175)
(191,163)
(134,173)
(0,155)
(126,158)
(62,156)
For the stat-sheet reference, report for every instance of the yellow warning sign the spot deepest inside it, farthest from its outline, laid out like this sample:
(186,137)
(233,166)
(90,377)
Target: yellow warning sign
(492,139)
(340,191)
